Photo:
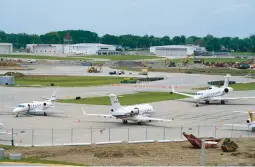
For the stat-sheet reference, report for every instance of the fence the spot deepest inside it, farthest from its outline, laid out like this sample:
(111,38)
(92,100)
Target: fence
(33,137)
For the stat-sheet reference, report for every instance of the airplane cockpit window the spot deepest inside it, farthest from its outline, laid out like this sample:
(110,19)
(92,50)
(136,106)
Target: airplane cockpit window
(22,106)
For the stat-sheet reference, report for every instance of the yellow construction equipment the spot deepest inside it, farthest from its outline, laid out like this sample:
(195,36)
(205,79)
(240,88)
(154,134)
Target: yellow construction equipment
(144,72)
(94,69)
(228,145)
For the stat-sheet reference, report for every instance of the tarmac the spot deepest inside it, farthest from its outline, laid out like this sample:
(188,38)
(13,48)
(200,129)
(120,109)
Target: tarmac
(74,127)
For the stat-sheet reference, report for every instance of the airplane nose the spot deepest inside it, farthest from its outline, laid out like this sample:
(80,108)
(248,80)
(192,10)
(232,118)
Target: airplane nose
(16,110)
(196,97)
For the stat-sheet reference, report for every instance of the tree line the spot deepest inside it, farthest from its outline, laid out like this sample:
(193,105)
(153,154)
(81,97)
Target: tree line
(211,43)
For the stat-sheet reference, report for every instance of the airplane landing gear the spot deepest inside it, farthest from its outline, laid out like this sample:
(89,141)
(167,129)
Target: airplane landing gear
(124,121)
(140,123)
(44,114)
(222,102)
(207,102)
(17,115)
(197,104)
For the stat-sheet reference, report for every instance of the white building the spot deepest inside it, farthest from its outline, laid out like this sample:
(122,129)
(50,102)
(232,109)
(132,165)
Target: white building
(82,48)
(93,49)
(47,48)
(175,50)
(6,48)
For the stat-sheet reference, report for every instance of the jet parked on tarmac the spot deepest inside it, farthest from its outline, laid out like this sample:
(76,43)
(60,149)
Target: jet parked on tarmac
(250,121)
(213,93)
(140,113)
(37,107)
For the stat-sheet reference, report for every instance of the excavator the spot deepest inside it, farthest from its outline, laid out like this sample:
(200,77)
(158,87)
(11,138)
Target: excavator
(246,64)
(94,69)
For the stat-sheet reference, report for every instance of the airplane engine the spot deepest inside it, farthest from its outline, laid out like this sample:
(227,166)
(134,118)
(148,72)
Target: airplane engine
(248,121)
(135,111)
(228,89)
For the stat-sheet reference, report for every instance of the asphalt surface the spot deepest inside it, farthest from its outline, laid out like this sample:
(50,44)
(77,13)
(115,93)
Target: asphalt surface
(74,127)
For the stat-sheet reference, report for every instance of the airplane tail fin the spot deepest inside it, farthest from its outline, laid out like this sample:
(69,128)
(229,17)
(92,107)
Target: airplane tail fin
(172,89)
(226,80)
(251,116)
(53,97)
(115,102)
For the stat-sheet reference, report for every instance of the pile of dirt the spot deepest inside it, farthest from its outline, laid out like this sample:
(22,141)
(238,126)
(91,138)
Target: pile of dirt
(15,74)
(175,153)
(8,64)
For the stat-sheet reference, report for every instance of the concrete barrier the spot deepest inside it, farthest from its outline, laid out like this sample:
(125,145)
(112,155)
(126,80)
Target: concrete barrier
(101,143)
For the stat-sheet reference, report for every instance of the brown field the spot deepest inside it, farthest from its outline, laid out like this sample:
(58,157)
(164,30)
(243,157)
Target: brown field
(178,153)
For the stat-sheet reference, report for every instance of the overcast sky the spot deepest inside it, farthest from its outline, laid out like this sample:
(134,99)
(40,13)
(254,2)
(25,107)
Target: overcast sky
(138,17)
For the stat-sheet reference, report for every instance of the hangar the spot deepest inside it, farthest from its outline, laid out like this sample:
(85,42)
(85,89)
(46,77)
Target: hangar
(5,48)
(93,49)
(47,48)
(175,50)
(82,48)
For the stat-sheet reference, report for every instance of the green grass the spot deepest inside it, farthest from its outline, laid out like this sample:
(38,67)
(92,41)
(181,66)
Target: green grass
(191,60)
(40,161)
(40,57)
(237,86)
(124,57)
(128,99)
(242,53)
(67,81)
(110,57)
(209,71)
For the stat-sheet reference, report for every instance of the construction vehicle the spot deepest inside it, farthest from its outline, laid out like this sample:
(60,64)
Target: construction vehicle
(245,64)
(94,69)
(228,145)
(144,72)
(210,142)
(115,72)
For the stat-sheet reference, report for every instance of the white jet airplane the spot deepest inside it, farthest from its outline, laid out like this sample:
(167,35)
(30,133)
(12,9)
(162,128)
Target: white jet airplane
(140,113)
(250,121)
(37,107)
(213,93)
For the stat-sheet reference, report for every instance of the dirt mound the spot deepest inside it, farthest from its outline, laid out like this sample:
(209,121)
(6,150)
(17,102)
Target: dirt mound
(6,64)
(15,74)
(121,153)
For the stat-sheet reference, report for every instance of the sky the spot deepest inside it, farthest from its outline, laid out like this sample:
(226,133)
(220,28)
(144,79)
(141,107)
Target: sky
(138,17)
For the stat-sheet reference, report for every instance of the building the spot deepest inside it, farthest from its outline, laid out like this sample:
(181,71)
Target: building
(93,49)
(47,48)
(175,50)
(82,48)
(6,48)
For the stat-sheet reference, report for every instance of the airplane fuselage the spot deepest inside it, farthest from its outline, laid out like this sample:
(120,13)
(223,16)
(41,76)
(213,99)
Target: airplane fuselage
(134,112)
(209,94)
(34,107)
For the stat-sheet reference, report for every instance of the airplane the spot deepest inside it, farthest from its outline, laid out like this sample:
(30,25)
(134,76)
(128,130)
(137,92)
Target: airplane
(213,93)
(250,121)
(36,107)
(140,113)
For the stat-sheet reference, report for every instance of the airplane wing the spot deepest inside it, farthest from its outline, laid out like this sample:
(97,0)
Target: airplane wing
(142,118)
(5,133)
(45,98)
(231,98)
(98,115)
(239,125)
(184,94)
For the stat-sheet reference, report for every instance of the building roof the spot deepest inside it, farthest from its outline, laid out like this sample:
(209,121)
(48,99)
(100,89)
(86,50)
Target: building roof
(5,43)
(90,44)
